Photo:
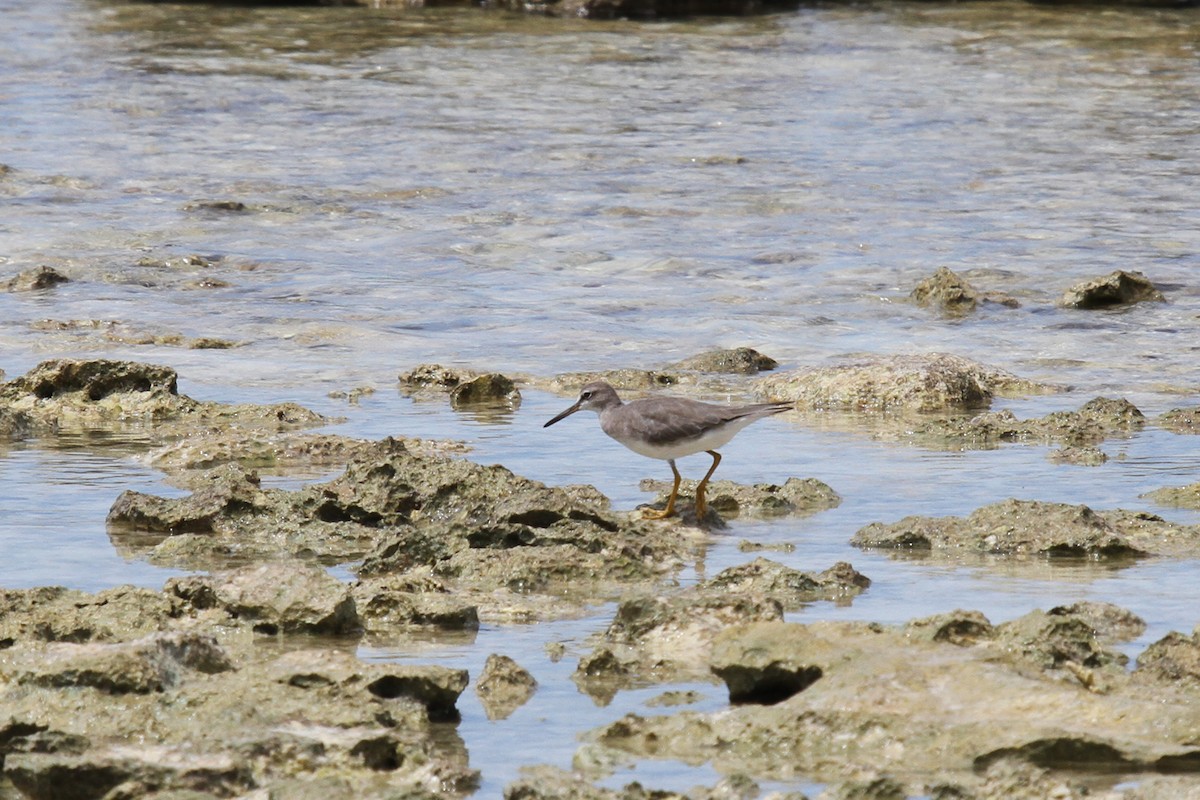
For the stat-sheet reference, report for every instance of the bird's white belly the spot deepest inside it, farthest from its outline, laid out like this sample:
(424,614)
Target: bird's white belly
(711,440)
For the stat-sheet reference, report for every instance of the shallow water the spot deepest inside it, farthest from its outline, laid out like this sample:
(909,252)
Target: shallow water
(539,196)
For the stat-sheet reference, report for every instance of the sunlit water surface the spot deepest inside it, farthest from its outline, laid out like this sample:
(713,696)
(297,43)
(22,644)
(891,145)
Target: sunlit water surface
(537,196)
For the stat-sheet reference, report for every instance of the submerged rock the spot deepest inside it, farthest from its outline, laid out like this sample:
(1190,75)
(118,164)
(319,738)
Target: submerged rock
(935,382)
(1116,288)
(36,279)
(1180,420)
(950,292)
(1177,496)
(1079,456)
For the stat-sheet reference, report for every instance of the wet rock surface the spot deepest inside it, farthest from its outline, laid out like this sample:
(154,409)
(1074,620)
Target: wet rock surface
(623,380)
(1174,659)
(397,511)
(134,691)
(490,389)
(243,679)
(434,377)
(1118,288)
(797,496)
(67,394)
(738,360)
(935,382)
(660,638)
(1180,420)
(35,279)
(952,294)
(504,686)
(1177,496)
(834,701)
(1033,528)
(1097,420)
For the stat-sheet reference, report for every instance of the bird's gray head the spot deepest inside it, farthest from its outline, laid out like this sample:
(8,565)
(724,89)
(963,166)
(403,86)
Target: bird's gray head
(595,396)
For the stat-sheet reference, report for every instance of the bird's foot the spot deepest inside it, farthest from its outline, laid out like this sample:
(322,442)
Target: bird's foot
(658,513)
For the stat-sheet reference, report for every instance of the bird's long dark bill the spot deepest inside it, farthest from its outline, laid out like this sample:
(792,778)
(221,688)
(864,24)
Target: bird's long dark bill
(563,415)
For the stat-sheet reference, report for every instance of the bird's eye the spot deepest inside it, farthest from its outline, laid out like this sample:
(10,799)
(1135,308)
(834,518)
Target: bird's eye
(585,395)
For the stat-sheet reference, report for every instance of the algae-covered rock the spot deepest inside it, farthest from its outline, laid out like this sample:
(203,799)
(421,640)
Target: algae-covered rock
(1180,420)
(70,394)
(1115,289)
(276,597)
(388,602)
(56,614)
(652,639)
(504,686)
(657,639)
(797,496)
(125,770)
(1052,641)
(757,668)
(544,782)
(933,382)
(1095,421)
(738,360)
(961,628)
(1173,659)
(620,379)
(482,390)
(791,587)
(836,701)
(1020,527)
(1110,622)
(399,510)
(434,687)
(35,279)
(953,294)
(1177,496)
(142,666)
(265,452)
(225,494)
(204,705)
(434,376)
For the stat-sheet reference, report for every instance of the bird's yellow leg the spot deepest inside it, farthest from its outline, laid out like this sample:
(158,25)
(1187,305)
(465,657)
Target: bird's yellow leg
(701,505)
(670,509)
